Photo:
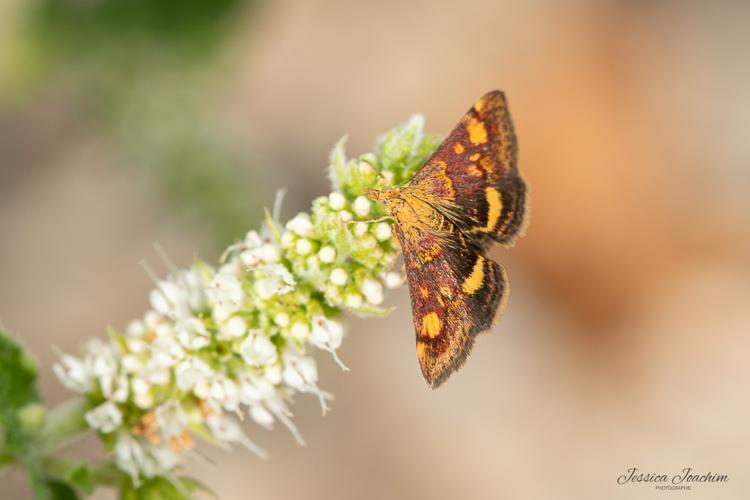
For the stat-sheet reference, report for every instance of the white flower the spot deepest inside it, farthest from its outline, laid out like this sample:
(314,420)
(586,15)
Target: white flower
(104,418)
(394,280)
(74,374)
(276,280)
(192,334)
(353,300)
(300,330)
(300,373)
(361,206)
(143,397)
(387,177)
(261,416)
(178,296)
(327,254)
(287,239)
(135,328)
(129,456)
(339,277)
(253,239)
(224,393)
(326,333)
(281,319)
(136,458)
(272,373)
(382,231)
(159,461)
(228,430)
(166,352)
(118,391)
(308,369)
(255,255)
(365,168)
(131,363)
(368,242)
(300,224)
(336,200)
(258,350)
(135,344)
(293,378)
(171,419)
(226,293)
(191,372)
(373,291)
(234,328)
(313,264)
(303,246)
(360,229)
(236,339)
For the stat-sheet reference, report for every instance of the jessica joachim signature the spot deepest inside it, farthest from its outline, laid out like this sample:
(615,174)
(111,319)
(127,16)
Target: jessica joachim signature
(687,476)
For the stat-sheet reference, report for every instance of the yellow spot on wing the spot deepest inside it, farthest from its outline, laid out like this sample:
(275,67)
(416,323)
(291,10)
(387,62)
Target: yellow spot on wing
(476,278)
(425,293)
(420,350)
(495,208)
(458,148)
(474,157)
(431,325)
(477,132)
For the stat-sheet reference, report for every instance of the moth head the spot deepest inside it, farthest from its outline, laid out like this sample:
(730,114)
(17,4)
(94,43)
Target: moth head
(390,198)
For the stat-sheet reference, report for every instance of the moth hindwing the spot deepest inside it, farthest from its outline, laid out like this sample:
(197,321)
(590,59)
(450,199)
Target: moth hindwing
(468,195)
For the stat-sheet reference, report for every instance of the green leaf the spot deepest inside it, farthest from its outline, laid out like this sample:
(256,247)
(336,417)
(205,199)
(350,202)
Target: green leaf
(18,373)
(59,490)
(20,414)
(163,488)
(404,149)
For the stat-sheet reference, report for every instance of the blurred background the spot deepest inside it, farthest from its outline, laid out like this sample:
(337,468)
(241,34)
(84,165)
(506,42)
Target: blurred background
(626,338)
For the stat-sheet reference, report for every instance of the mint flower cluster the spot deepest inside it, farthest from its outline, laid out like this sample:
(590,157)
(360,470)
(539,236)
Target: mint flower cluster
(236,340)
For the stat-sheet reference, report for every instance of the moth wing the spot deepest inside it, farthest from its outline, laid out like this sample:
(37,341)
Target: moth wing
(456,293)
(473,177)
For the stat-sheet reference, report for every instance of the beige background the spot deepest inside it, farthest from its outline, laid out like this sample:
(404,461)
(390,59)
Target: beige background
(626,338)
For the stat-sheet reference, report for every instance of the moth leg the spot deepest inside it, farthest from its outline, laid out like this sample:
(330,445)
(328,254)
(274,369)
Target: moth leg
(370,221)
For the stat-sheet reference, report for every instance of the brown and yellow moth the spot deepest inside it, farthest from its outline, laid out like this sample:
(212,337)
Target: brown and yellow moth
(467,196)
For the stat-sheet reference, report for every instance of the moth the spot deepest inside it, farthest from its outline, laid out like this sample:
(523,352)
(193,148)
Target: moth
(467,196)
